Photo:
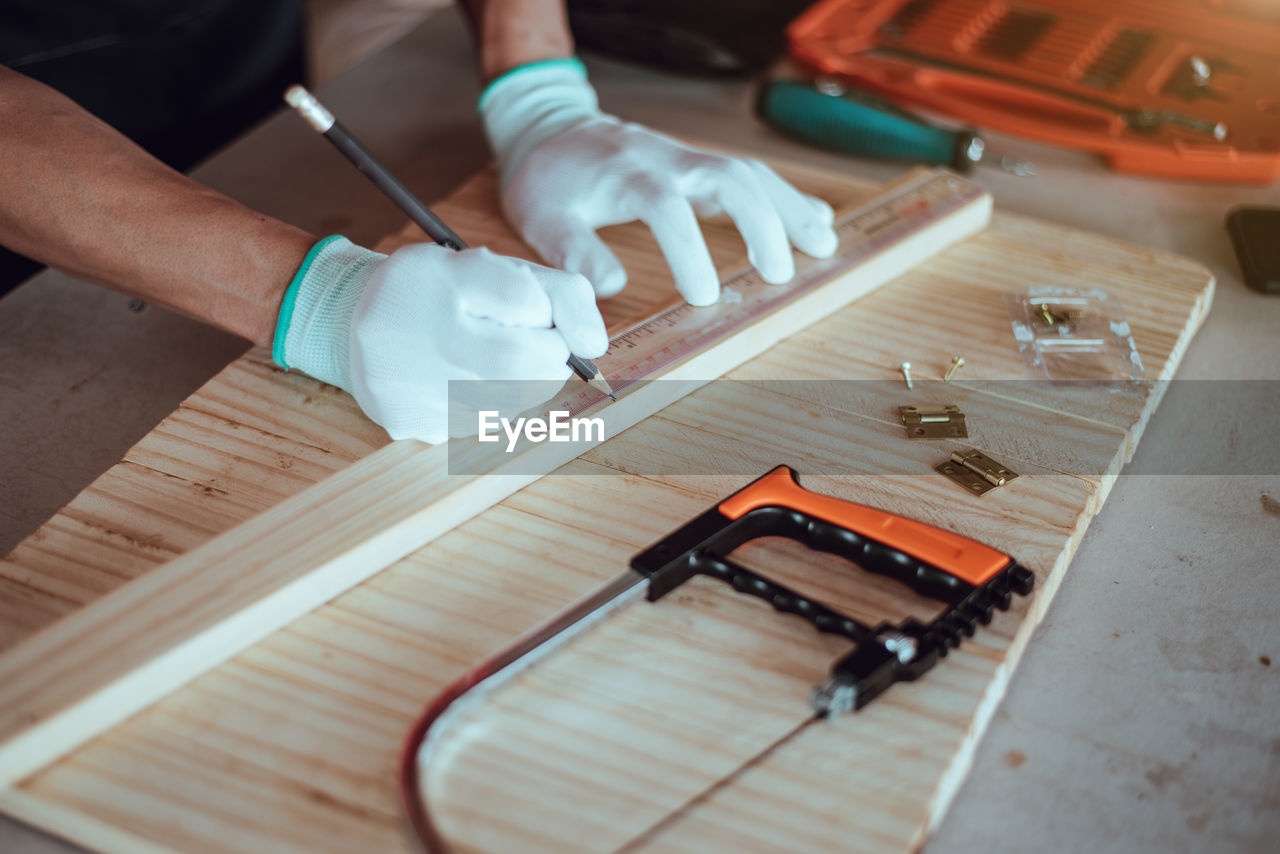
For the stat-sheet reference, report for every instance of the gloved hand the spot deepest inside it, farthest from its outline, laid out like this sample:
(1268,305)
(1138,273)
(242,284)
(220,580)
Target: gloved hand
(568,169)
(393,330)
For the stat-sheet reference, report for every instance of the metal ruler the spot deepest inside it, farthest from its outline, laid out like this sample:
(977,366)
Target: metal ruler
(649,348)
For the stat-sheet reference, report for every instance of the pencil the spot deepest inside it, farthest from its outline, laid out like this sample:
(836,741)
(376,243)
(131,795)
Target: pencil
(324,123)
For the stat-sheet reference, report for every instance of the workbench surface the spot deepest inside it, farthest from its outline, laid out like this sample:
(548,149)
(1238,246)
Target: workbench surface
(1143,715)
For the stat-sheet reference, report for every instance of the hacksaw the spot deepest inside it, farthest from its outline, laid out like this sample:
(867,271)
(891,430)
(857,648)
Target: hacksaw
(972,579)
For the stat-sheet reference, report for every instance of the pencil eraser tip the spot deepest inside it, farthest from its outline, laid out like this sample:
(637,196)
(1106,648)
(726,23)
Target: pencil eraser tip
(309,108)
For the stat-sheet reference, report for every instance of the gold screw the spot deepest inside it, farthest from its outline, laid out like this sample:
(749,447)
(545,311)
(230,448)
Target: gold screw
(956,364)
(906,374)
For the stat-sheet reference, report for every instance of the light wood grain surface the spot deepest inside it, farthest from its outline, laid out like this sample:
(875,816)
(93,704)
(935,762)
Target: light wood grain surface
(291,744)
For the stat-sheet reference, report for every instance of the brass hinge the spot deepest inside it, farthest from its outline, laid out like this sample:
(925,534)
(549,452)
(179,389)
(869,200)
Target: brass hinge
(975,471)
(933,422)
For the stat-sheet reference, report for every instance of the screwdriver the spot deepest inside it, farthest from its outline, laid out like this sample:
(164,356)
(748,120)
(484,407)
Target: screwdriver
(828,114)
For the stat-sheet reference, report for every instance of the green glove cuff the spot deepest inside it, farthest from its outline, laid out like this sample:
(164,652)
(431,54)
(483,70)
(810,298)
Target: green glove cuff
(290,297)
(570,62)
(314,325)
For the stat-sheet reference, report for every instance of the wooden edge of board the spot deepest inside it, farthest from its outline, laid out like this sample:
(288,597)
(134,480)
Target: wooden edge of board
(85,673)
(1038,605)
(74,826)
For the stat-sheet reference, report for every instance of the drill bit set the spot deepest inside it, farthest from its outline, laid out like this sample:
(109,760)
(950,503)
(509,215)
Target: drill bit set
(1175,88)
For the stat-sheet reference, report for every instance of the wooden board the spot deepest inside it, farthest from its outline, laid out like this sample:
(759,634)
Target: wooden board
(290,745)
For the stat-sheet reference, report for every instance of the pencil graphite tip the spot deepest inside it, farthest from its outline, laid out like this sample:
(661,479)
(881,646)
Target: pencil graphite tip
(309,108)
(599,383)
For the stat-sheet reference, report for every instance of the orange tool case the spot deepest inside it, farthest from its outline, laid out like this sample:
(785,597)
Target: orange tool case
(1175,88)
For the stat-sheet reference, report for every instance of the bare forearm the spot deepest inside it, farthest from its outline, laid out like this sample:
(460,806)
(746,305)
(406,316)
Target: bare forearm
(79,196)
(510,33)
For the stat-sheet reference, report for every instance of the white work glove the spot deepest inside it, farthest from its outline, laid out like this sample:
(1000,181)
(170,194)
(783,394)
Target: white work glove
(567,169)
(394,330)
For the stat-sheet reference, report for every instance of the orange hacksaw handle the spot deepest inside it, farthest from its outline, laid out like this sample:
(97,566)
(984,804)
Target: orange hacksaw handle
(966,559)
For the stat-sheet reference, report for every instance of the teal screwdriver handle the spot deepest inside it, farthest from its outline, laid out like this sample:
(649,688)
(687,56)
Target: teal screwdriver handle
(862,125)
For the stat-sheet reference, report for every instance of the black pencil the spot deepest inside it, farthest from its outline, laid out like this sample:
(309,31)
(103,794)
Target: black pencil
(324,122)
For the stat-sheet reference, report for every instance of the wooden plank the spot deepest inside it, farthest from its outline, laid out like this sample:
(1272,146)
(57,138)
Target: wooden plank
(795,798)
(94,668)
(291,745)
(254,410)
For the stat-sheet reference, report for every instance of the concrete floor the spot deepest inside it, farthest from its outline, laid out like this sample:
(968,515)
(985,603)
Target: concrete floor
(1145,715)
